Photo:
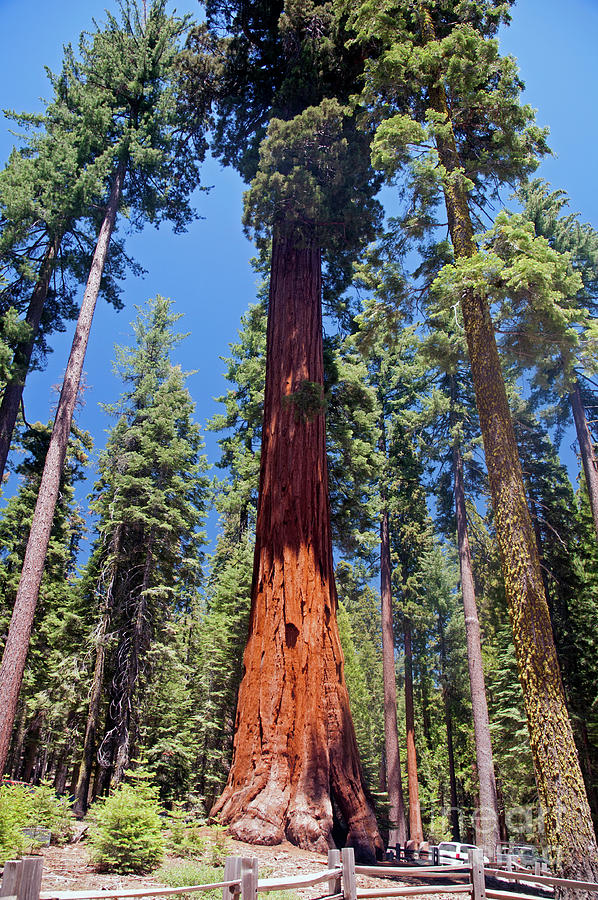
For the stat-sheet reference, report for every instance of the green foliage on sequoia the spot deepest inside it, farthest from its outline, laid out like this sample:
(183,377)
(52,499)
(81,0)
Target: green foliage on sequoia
(314,174)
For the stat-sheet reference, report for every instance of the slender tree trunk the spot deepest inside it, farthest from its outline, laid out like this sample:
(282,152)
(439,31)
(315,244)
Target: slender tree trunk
(586,448)
(567,818)
(134,643)
(416,832)
(13,766)
(295,771)
(93,713)
(454,817)
(17,642)
(488,812)
(448,719)
(32,745)
(13,391)
(396,805)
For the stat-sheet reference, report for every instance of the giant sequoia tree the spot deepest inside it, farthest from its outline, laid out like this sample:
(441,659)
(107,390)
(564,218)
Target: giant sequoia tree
(450,112)
(295,769)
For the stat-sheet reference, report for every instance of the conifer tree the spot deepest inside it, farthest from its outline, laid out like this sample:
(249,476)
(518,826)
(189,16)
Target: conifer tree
(153,167)
(394,370)
(150,502)
(453,431)
(559,537)
(450,106)
(311,191)
(364,681)
(48,702)
(224,623)
(567,234)
(49,191)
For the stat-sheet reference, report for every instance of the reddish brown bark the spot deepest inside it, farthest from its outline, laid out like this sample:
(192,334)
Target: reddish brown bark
(396,805)
(295,771)
(17,642)
(586,449)
(416,832)
(13,391)
(488,803)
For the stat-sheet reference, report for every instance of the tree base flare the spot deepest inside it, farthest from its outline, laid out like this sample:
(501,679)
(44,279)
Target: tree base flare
(295,771)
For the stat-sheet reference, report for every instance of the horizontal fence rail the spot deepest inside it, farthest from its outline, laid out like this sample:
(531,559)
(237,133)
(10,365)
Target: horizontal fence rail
(415,871)
(545,879)
(415,891)
(134,892)
(21,880)
(297,881)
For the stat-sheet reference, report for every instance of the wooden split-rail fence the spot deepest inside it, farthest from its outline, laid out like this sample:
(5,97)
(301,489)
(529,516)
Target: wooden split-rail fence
(22,881)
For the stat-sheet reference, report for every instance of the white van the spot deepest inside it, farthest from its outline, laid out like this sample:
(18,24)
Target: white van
(454,854)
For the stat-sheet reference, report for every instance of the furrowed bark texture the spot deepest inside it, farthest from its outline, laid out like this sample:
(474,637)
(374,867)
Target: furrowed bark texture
(295,771)
(567,818)
(416,832)
(488,811)
(17,642)
(586,449)
(13,392)
(396,806)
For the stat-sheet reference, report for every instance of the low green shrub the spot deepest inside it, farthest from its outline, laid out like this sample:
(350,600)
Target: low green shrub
(31,806)
(191,838)
(185,874)
(51,811)
(15,806)
(126,833)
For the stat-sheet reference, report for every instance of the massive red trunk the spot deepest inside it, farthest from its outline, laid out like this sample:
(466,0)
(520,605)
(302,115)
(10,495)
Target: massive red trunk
(295,770)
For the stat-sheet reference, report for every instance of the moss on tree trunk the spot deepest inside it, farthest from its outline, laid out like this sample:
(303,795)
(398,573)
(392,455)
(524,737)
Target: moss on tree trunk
(567,819)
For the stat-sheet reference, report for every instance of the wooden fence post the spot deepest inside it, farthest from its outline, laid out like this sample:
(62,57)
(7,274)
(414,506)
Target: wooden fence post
(334,883)
(249,878)
(232,872)
(22,878)
(11,878)
(477,874)
(349,880)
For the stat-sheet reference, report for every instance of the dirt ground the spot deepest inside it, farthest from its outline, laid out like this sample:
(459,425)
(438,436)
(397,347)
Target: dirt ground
(69,868)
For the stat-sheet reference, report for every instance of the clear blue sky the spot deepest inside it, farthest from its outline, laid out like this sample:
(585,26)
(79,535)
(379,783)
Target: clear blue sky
(206,271)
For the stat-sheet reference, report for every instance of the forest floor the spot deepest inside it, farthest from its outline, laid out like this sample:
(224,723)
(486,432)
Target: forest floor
(70,868)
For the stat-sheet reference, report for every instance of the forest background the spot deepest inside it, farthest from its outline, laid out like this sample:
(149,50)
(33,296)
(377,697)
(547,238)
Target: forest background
(207,274)
(206,271)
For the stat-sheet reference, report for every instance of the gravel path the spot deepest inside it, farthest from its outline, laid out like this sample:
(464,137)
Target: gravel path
(69,868)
